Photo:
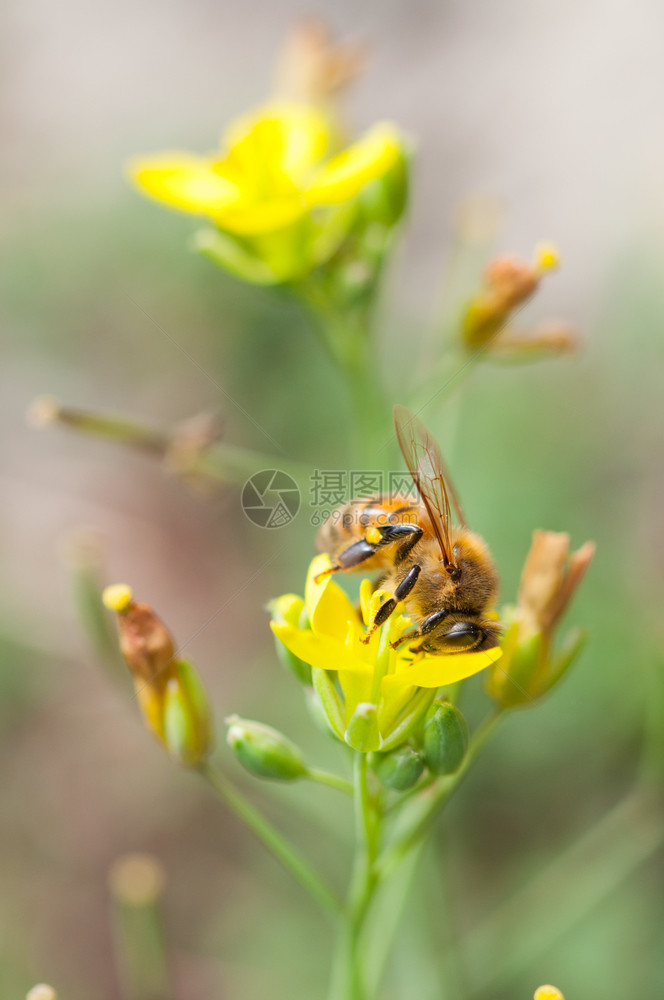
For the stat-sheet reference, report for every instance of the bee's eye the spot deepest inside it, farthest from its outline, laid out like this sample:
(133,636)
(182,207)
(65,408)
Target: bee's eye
(461,636)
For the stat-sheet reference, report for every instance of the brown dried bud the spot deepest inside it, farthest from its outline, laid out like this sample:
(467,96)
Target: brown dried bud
(191,440)
(145,642)
(549,578)
(510,281)
(549,339)
(530,667)
(312,67)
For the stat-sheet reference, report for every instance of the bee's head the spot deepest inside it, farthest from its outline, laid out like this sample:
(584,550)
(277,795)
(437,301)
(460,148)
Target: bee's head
(461,635)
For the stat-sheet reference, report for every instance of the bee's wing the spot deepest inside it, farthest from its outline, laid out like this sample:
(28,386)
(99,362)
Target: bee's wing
(426,466)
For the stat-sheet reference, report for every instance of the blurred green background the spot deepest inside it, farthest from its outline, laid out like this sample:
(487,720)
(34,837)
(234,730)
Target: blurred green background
(556,114)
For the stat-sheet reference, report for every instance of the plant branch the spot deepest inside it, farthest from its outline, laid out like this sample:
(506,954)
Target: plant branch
(217,461)
(331,780)
(274,841)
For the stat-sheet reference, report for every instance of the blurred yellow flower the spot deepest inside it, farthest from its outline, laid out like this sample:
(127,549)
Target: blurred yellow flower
(278,174)
(378,683)
(548,993)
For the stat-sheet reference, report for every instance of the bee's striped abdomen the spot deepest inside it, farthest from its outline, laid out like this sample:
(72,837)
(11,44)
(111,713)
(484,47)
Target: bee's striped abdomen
(350,522)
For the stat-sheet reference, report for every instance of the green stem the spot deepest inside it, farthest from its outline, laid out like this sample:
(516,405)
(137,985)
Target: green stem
(416,820)
(86,568)
(277,844)
(46,411)
(428,804)
(346,339)
(348,982)
(331,780)
(229,463)
(447,378)
(219,462)
(385,917)
(141,954)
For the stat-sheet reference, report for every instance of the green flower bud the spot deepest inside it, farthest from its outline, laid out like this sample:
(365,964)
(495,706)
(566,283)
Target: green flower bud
(362,730)
(399,769)
(384,201)
(513,684)
(330,700)
(409,721)
(318,714)
(573,643)
(186,717)
(530,666)
(233,256)
(264,751)
(445,738)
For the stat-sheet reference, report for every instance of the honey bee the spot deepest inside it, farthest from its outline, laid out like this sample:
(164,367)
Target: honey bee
(444,575)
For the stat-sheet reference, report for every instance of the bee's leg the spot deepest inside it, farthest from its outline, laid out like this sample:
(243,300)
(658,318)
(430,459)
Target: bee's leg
(428,625)
(350,558)
(385,534)
(412,534)
(388,607)
(376,537)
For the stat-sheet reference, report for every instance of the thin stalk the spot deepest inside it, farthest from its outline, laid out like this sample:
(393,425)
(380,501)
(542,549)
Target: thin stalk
(331,780)
(218,462)
(347,340)
(45,412)
(448,377)
(86,568)
(442,914)
(274,841)
(350,344)
(386,914)
(142,960)
(348,974)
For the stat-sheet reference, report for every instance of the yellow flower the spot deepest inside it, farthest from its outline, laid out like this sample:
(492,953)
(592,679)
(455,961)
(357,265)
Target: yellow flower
(383,692)
(548,993)
(274,188)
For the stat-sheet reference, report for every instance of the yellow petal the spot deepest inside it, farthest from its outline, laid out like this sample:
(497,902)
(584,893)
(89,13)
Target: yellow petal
(345,175)
(439,671)
(286,609)
(330,611)
(548,993)
(251,218)
(183,181)
(321,651)
(291,137)
(366,590)
(151,701)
